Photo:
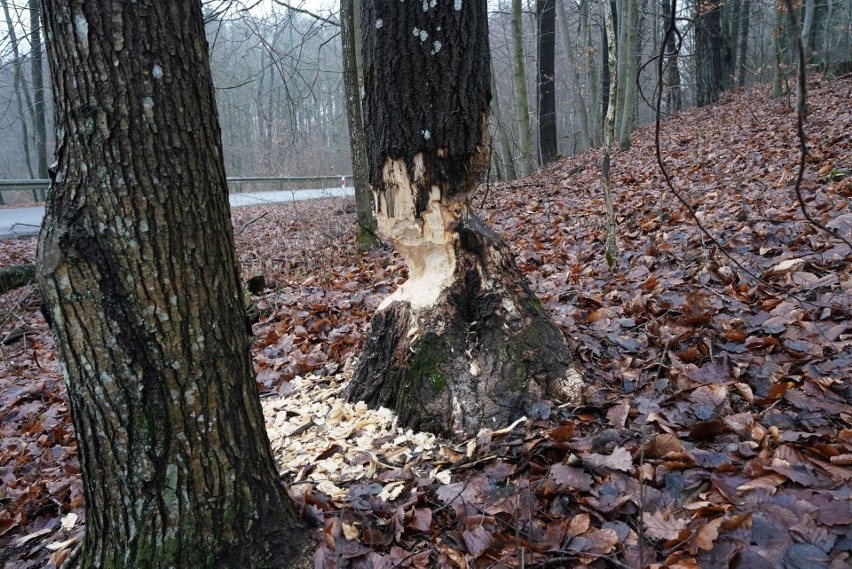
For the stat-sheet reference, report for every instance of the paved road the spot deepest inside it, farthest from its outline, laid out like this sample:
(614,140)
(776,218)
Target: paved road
(27,220)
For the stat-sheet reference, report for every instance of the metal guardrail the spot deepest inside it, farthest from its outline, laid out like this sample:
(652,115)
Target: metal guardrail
(39,187)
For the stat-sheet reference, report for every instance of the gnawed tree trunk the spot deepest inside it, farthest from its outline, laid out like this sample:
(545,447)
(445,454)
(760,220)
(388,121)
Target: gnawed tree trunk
(463,344)
(137,266)
(365,232)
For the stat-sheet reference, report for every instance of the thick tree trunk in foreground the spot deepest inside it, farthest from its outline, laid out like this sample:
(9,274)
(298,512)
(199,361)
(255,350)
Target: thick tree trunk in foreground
(463,344)
(138,269)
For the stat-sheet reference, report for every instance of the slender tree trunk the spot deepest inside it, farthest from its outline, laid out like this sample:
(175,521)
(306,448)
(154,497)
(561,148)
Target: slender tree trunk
(808,26)
(574,77)
(39,108)
(611,249)
(546,80)
(708,51)
(507,159)
(631,70)
(674,99)
(606,77)
(621,47)
(592,62)
(463,344)
(137,266)
(742,48)
(777,78)
(20,88)
(365,236)
(522,104)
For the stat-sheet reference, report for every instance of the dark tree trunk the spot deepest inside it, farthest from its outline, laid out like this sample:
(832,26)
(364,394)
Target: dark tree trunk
(742,47)
(674,99)
(137,265)
(546,80)
(708,51)
(463,344)
(365,232)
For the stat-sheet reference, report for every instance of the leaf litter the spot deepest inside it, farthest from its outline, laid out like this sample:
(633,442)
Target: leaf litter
(716,427)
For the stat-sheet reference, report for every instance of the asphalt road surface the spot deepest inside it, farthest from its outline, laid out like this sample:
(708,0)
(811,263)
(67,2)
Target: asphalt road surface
(18,222)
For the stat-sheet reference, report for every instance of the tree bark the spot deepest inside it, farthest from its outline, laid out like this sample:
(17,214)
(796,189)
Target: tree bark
(463,344)
(708,51)
(39,108)
(522,99)
(611,247)
(137,265)
(631,70)
(365,232)
(546,80)
(777,74)
(742,48)
(674,99)
(574,77)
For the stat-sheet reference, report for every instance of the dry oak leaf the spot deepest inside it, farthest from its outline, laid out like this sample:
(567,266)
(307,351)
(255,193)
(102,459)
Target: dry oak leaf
(570,477)
(620,459)
(706,535)
(661,526)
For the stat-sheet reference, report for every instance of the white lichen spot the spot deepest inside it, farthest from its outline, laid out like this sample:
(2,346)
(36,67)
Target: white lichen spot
(426,134)
(416,31)
(457,4)
(148,107)
(438,28)
(423,35)
(379,24)
(157,72)
(425,5)
(81,26)
(433,3)
(190,398)
(436,47)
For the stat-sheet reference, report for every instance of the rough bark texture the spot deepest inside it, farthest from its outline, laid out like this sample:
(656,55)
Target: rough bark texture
(138,269)
(463,344)
(365,237)
(611,250)
(420,71)
(546,80)
(708,51)
(480,358)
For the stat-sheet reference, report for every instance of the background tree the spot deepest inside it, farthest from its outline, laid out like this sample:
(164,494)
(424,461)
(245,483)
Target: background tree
(708,50)
(546,80)
(139,273)
(674,100)
(350,27)
(39,108)
(611,246)
(463,343)
(519,78)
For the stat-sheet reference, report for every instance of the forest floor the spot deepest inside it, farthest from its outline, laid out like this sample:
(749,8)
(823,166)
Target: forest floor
(717,426)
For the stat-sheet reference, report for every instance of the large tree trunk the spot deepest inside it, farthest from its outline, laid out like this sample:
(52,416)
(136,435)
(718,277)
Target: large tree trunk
(137,265)
(631,70)
(463,344)
(708,51)
(522,99)
(546,80)
(365,233)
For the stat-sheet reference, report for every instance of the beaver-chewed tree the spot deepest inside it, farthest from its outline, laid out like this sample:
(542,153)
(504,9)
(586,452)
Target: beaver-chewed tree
(464,343)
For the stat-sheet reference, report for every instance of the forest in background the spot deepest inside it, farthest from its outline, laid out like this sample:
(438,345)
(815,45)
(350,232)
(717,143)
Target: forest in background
(278,72)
